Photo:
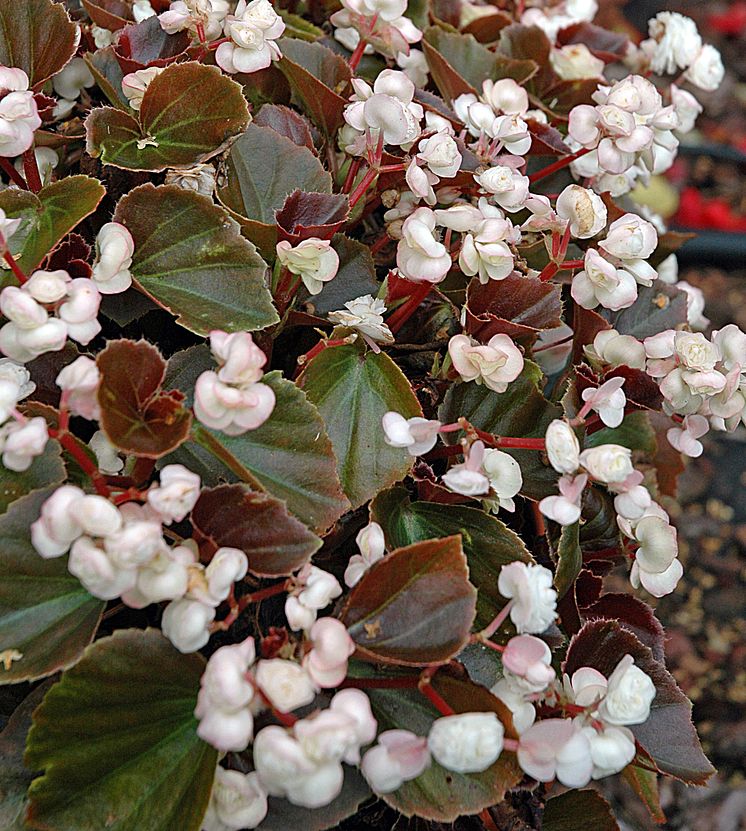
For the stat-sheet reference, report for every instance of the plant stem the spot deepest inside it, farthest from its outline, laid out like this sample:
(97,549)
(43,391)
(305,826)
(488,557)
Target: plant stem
(490,630)
(559,165)
(71,444)
(31,169)
(352,172)
(409,306)
(14,267)
(436,699)
(362,186)
(13,174)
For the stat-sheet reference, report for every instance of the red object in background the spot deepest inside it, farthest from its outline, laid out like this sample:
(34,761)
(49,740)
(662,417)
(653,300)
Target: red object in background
(732,22)
(707,214)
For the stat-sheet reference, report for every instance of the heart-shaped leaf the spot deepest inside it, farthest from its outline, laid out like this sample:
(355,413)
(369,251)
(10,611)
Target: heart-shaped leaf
(192,261)
(275,542)
(116,739)
(36,36)
(305,215)
(353,390)
(287,123)
(48,215)
(46,616)
(46,469)
(137,415)
(519,411)
(147,43)
(439,794)
(668,735)
(488,543)
(564,812)
(290,455)
(176,127)
(431,577)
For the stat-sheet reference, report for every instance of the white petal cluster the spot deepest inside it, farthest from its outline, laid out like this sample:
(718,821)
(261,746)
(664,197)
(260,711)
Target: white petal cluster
(114,250)
(135,84)
(494,364)
(497,115)
(366,315)
(313,260)
(252,29)
(399,756)
(187,15)
(233,399)
(19,115)
(372,546)
(313,590)
(533,599)
(417,434)
(466,742)
(237,801)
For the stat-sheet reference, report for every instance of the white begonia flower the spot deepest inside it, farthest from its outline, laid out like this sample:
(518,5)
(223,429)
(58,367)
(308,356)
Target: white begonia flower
(420,181)
(685,439)
(630,238)
(420,256)
(602,282)
(629,694)
(56,528)
(509,189)
(468,478)
(552,349)
(576,62)
(461,217)
(415,66)
(200,178)
(142,10)
(656,566)
(332,646)
(366,315)
(731,344)
(587,687)
(504,474)
(385,9)
(466,742)
(609,347)
(417,434)
(16,384)
(562,446)
(286,684)
(388,108)
(114,250)
(107,456)
(22,442)
(534,599)
(494,364)
(687,108)
(48,286)
(252,29)
(98,575)
(135,544)
(398,757)
(485,251)
(440,154)
(608,401)
(677,42)
(565,508)
(24,344)
(135,84)
(227,566)
(187,14)
(176,494)
(70,81)
(186,624)
(232,409)
(505,96)
(225,720)
(583,209)
(313,260)
(19,115)
(529,661)
(695,305)
(633,498)
(608,463)
(102,37)
(237,801)
(707,70)
(612,749)
(80,309)
(522,710)
(556,748)
(314,590)
(165,577)
(372,546)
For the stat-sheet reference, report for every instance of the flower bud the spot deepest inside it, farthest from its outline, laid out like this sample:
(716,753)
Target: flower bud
(21,308)
(467,742)
(398,757)
(286,684)
(47,286)
(79,381)
(534,598)
(556,748)
(562,446)
(23,442)
(185,623)
(176,494)
(629,695)
(115,247)
(608,463)
(583,209)
(241,360)
(530,659)
(237,801)
(89,563)
(56,528)
(418,435)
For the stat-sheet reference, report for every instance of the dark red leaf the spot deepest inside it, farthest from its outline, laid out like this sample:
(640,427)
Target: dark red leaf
(275,542)
(588,588)
(608,46)
(632,614)
(586,325)
(669,464)
(430,577)
(287,123)
(109,14)
(71,254)
(147,44)
(547,140)
(136,414)
(668,735)
(306,215)
(574,809)
(487,29)
(639,387)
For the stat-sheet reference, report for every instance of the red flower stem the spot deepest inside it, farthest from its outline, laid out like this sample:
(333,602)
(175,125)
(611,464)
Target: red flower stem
(130,495)
(408,308)
(317,350)
(363,185)
(568,264)
(451,428)
(487,820)
(552,345)
(214,45)
(31,169)
(357,55)
(478,638)
(70,443)
(14,267)
(13,174)
(549,270)
(351,174)
(201,32)
(509,441)
(510,744)
(426,688)
(262,594)
(380,244)
(392,168)
(490,630)
(541,528)
(559,165)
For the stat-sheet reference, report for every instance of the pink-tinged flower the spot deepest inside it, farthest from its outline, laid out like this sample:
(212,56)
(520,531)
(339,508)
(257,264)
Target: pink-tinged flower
(417,434)
(609,347)
(707,70)
(314,590)
(485,252)
(505,96)
(685,439)
(633,498)
(514,698)
(562,446)
(237,801)
(494,364)
(466,742)
(186,624)
(508,188)
(556,749)
(135,84)
(372,546)
(468,478)
(332,645)
(79,381)
(534,600)
(530,659)
(385,9)
(19,116)
(234,410)
(602,282)
(583,209)
(22,442)
(252,30)
(398,757)
(386,109)
(629,694)
(176,494)
(187,15)
(80,309)
(565,509)
(240,359)
(441,155)
(420,256)
(48,286)
(313,260)
(587,687)
(630,238)
(98,575)
(114,249)
(608,463)
(56,529)
(676,42)
(608,401)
